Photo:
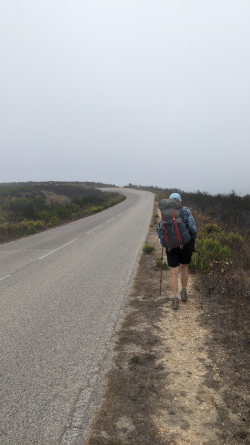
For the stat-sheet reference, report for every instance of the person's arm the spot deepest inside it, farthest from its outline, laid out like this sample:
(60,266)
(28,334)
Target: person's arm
(189,222)
(158,227)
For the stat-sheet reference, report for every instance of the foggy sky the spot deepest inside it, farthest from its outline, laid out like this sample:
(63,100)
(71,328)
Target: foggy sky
(119,91)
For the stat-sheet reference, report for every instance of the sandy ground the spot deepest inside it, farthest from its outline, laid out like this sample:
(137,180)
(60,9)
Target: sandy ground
(190,413)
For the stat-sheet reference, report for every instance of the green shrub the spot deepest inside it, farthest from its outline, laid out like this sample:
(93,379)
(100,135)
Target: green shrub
(63,211)
(31,226)
(44,215)
(21,207)
(75,208)
(213,247)
(25,227)
(233,240)
(3,230)
(54,220)
(93,209)
(148,248)
(210,231)
(215,232)
(38,203)
(160,263)
(209,254)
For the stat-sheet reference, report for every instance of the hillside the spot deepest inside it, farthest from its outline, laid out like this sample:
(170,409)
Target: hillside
(27,208)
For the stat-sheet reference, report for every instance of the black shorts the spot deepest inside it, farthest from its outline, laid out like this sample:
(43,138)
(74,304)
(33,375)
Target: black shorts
(180,256)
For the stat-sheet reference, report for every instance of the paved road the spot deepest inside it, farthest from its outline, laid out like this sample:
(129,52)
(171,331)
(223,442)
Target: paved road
(62,295)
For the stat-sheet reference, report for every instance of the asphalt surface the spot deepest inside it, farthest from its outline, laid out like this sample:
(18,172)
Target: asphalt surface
(62,298)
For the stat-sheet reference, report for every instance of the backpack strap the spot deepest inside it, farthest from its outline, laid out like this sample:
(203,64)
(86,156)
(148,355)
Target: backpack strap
(177,229)
(165,236)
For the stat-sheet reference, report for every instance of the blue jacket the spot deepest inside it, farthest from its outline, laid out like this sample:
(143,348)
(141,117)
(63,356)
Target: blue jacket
(188,220)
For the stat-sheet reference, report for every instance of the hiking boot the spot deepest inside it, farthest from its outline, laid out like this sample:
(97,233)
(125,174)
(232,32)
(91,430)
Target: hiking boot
(184,295)
(175,303)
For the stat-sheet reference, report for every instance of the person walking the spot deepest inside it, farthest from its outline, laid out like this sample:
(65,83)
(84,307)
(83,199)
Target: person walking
(179,257)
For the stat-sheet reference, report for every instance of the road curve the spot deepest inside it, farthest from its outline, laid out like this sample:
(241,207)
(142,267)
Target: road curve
(62,295)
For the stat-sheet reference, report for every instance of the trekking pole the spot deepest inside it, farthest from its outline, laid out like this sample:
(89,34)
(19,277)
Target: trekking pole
(161,268)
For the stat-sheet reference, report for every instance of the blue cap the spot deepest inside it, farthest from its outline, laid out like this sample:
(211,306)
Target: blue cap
(175,196)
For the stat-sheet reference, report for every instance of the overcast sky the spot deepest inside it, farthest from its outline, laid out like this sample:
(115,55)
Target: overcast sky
(119,91)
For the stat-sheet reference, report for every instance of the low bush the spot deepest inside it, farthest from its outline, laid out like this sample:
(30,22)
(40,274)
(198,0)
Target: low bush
(148,248)
(54,220)
(4,231)
(160,263)
(233,240)
(44,215)
(38,203)
(213,231)
(25,227)
(94,209)
(75,208)
(212,248)
(63,211)
(20,208)
(30,227)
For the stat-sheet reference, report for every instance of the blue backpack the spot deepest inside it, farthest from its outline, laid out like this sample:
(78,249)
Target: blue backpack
(171,230)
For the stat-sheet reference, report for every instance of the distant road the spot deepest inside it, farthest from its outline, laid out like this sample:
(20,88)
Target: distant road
(62,294)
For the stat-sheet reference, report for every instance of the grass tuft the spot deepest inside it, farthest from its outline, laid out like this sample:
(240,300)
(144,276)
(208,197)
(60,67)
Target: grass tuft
(148,248)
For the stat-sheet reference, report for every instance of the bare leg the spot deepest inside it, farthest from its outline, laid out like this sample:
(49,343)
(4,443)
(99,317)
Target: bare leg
(174,271)
(184,281)
(184,275)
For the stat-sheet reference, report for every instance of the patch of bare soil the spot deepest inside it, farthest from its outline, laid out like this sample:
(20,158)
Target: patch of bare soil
(178,377)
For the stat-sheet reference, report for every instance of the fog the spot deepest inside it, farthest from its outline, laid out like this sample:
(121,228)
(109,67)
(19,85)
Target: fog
(151,93)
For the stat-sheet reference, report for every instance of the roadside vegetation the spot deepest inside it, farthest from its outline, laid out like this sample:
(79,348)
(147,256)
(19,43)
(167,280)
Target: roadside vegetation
(160,263)
(214,248)
(28,208)
(223,228)
(229,209)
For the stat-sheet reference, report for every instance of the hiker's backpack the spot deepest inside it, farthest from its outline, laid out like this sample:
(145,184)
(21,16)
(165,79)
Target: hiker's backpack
(171,230)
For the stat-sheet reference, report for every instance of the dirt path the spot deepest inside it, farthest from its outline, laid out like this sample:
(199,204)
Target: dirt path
(190,412)
(171,382)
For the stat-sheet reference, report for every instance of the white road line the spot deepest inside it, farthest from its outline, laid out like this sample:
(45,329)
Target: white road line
(95,228)
(61,247)
(3,278)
